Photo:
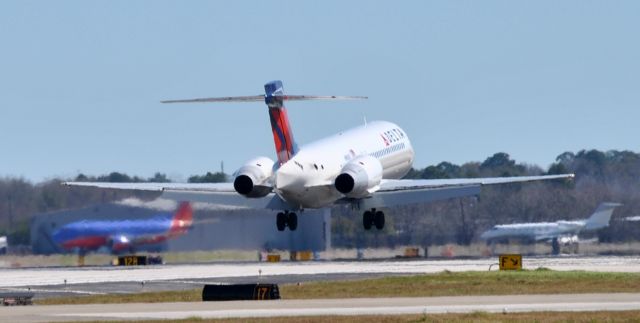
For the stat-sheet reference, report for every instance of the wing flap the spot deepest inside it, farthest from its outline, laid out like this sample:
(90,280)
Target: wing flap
(413,184)
(414,196)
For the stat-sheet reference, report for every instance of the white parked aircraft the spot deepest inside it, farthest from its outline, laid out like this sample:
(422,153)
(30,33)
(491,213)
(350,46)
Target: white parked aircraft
(556,232)
(361,166)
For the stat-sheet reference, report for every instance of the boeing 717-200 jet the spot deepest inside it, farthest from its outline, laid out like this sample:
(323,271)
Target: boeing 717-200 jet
(362,166)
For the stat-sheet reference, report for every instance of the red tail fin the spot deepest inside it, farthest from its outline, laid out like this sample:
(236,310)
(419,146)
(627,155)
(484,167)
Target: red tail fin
(183,219)
(282,134)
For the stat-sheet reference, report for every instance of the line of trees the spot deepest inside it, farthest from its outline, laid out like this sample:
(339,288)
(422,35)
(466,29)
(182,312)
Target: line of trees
(600,176)
(21,199)
(116,177)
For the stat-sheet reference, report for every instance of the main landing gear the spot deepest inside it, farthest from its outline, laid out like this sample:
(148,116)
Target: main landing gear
(371,218)
(286,219)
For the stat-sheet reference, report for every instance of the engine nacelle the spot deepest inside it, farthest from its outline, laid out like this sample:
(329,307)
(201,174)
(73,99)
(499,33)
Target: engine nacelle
(360,177)
(252,179)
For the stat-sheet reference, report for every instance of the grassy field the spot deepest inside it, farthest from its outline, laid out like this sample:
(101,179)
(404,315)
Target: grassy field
(441,284)
(471,283)
(622,316)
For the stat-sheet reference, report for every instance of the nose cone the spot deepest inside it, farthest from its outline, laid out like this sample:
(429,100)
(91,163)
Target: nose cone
(489,234)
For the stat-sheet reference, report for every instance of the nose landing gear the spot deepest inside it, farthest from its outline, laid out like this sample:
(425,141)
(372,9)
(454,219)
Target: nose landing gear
(286,219)
(371,218)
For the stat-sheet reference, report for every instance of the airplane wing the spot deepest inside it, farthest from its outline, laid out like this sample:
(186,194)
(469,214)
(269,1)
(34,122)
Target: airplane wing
(409,184)
(411,191)
(391,192)
(215,193)
(159,187)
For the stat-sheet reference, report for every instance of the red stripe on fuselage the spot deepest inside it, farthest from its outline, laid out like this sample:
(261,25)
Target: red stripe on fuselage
(282,135)
(120,246)
(85,243)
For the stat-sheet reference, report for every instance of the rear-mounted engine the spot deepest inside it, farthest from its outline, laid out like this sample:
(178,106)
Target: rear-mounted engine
(253,178)
(360,177)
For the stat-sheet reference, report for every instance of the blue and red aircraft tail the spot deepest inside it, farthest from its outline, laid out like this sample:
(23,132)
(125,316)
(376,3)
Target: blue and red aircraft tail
(274,97)
(282,135)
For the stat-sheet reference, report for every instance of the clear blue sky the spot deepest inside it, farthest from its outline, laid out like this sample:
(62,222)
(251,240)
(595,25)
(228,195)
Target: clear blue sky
(81,81)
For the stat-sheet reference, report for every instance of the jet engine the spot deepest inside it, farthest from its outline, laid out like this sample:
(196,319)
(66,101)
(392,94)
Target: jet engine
(252,179)
(360,177)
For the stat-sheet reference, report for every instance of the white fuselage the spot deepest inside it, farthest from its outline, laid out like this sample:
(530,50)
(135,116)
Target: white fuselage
(534,231)
(307,179)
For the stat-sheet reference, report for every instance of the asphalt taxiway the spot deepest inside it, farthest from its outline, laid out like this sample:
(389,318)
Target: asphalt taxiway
(323,307)
(51,282)
(12,277)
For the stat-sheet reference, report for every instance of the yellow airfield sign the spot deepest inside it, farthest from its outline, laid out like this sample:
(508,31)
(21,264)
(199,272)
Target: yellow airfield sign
(511,262)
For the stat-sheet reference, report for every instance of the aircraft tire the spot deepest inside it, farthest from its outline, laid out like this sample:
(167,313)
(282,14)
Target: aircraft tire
(367,220)
(378,220)
(292,221)
(281,221)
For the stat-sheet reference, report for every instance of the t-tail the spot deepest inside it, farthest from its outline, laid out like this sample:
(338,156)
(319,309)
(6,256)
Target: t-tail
(274,97)
(282,135)
(182,219)
(600,218)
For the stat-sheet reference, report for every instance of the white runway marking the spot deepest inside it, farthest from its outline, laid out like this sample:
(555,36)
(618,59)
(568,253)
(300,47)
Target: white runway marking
(15,277)
(44,290)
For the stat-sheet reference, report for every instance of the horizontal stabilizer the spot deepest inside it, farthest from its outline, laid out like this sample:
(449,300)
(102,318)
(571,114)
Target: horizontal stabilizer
(258,98)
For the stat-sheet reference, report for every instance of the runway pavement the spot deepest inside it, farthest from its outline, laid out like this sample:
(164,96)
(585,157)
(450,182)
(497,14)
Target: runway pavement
(71,281)
(323,307)
(33,277)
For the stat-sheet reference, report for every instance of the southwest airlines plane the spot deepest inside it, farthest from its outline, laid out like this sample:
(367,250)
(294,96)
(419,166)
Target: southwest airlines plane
(124,235)
(362,166)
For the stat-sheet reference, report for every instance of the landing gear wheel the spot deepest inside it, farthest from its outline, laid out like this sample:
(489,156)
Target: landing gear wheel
(378,220)
(292,221)
(281,221)
(367,220)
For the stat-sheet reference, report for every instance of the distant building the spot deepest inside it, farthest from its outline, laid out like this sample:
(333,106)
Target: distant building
(214,228)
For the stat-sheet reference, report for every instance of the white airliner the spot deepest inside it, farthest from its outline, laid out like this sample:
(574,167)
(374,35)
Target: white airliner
(361,166)
(556,232)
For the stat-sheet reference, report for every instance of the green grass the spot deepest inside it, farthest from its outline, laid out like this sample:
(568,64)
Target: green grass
(440,284)
(470,283)
(194,295)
